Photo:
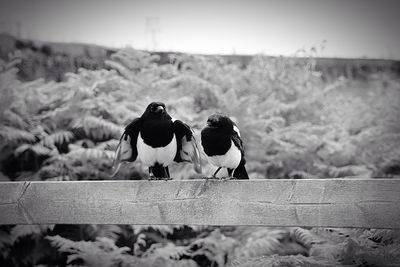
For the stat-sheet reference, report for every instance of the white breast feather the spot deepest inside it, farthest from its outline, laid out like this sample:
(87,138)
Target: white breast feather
(162,155)
(230,160)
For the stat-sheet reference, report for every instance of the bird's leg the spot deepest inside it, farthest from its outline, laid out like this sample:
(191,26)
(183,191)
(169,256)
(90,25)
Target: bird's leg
(214,176)
(151,175)
(166,171)
(230,173)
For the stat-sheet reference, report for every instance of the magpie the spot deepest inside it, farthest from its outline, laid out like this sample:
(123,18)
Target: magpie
(157,140)
(223,146)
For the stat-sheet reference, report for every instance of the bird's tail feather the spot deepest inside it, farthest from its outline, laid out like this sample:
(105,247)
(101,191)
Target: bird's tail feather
(196,158)
(160,172)
(241,172)
(123,153)
(190,153)
(117,160)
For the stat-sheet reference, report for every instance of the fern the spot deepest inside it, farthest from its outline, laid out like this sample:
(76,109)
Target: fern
(133,64)
(384,236)
(267,241)
(354,247)
(108,231)
(287,261)
(15,136)
(102,252)
(90,153)
(110,145)
(13,119)
(97,128)
(157,262)
(266,244)
(37,148)
(134,60)
(168,251)
(162,229)
(139,244)
(8,81)
(20,231)
(215,247)
(5,244)
(304,237)
(57,168)
(58,138)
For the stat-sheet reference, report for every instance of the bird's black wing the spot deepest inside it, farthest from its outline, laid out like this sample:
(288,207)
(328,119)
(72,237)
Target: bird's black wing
(238,142)
(187,149)
(126,149)
(240,171)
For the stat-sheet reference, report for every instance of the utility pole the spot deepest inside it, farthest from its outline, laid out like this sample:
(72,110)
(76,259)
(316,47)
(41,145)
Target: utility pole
(153,29)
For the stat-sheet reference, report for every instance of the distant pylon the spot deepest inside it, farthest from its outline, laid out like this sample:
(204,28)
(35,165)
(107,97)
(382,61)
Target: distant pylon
(153,28)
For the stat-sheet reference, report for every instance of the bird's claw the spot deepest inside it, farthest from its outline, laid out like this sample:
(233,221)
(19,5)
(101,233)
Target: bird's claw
(153,178)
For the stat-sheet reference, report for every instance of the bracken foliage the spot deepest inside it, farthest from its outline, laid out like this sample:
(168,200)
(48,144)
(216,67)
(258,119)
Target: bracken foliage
(294,125)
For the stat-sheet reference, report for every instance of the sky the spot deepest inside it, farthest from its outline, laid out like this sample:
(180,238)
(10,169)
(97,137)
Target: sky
(351,28)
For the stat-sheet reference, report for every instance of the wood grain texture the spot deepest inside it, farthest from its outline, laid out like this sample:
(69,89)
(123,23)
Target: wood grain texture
(369,203)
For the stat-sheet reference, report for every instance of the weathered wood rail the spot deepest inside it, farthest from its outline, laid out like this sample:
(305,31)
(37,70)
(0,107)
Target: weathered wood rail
(367,203)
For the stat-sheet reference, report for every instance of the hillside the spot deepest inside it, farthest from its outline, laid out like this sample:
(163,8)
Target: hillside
(51,60)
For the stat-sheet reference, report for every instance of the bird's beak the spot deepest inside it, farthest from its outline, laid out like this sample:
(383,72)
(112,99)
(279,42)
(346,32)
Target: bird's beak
(160,109)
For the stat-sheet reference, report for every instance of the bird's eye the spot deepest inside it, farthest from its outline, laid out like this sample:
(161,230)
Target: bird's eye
(211,122)
(157,109)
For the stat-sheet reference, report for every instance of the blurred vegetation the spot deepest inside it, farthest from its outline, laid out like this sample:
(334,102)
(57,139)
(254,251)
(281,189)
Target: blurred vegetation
(294,124)
(51,61)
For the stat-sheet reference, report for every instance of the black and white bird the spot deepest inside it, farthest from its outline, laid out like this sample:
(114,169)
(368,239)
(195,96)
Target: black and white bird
(223,146)
(157,140)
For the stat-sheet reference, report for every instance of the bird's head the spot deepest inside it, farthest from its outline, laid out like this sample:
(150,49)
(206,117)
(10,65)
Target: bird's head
(220,121)
(156,108)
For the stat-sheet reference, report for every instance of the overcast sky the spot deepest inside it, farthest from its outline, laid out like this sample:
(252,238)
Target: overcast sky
(351,28)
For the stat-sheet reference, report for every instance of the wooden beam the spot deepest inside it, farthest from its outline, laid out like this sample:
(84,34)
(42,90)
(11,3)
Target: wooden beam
(367,203)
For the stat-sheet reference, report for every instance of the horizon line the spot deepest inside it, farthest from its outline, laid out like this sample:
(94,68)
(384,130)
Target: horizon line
(119,47)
